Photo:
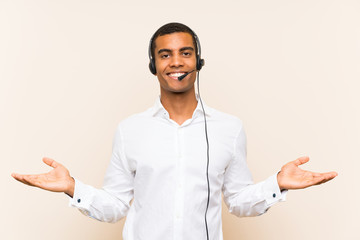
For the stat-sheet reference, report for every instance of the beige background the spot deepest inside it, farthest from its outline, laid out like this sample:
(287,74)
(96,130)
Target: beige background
(71,70)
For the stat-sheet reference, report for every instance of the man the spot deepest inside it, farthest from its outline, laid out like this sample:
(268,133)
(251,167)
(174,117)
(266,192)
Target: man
(160,159)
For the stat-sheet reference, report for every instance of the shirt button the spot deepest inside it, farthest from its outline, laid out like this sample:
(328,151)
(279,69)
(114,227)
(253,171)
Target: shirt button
(274,195)
(79,200)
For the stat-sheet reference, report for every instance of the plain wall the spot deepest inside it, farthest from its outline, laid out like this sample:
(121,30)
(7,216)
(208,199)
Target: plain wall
(71,70)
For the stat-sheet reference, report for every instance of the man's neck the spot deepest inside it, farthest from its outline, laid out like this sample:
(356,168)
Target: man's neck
(180,106)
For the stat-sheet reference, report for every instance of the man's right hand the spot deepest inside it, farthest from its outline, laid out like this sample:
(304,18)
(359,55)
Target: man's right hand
(57,180)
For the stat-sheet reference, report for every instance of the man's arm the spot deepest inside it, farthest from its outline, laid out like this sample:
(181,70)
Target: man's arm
(108,204)
(241,195)
(244,198)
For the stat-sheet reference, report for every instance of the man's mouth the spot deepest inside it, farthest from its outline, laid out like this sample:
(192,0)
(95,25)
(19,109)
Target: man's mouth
(176,74)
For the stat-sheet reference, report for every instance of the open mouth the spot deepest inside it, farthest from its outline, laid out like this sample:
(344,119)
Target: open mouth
(175,75)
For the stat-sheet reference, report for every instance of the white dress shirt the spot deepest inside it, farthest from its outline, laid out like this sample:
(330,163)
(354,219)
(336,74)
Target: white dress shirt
(162,166)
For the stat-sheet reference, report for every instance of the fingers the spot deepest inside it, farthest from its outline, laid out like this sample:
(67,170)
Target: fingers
(50,162)
(22,178)
(27,180)
(33,180)
(17,177)
(330,175)
(301,160)
(323,177)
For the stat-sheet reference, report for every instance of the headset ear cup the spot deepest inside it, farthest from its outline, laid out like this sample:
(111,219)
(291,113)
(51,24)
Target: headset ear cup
(152,67)
(199,64)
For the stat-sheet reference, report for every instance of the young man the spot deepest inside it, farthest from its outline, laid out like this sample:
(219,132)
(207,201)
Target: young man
(160,159)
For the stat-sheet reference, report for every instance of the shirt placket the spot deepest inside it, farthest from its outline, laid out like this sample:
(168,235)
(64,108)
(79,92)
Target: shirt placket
(179,193)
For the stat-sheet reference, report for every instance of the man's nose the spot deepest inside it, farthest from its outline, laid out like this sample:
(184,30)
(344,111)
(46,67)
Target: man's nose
(176,61)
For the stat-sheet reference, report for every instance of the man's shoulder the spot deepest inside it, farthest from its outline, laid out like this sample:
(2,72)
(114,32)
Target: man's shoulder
(223,117)
(137,118)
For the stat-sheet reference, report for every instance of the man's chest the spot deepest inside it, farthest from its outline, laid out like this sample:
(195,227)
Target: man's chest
(163,147)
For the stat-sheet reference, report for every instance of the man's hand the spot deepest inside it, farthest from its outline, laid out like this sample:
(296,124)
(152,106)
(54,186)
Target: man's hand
(57,180)
(292,177)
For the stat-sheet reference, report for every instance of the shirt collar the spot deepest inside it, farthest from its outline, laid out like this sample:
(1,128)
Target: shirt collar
(158,109)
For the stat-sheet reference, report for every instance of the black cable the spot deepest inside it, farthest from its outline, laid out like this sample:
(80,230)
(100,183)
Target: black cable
(207,164)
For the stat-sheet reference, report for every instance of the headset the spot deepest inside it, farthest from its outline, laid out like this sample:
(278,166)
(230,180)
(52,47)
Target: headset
(199,64)
(199,61)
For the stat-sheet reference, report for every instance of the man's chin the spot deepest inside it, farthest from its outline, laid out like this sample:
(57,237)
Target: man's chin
(178,90)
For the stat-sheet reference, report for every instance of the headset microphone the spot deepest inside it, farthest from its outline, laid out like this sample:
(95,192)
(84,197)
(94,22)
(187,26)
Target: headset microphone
(183,76)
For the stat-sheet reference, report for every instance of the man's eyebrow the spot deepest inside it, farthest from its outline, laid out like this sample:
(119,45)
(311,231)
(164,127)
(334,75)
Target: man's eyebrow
(164,50)
(186,48)
(181,49)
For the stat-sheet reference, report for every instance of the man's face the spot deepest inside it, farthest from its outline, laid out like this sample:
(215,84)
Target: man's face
(174,56)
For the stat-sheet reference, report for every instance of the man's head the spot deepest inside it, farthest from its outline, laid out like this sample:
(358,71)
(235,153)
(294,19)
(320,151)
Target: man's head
(171,28)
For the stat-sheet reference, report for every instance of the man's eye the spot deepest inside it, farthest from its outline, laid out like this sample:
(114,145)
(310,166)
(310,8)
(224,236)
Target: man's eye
(186,53)
(165,56)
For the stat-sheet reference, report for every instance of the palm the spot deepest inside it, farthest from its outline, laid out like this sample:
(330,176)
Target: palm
(57,180)
(293,177)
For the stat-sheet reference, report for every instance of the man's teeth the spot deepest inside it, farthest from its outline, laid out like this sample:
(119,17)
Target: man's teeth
(176,74)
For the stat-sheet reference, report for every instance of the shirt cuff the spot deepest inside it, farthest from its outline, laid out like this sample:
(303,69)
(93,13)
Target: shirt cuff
(272,191)
(82,197)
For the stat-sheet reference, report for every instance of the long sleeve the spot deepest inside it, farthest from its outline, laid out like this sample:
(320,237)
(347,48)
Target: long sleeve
(241,195)
(112,202)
